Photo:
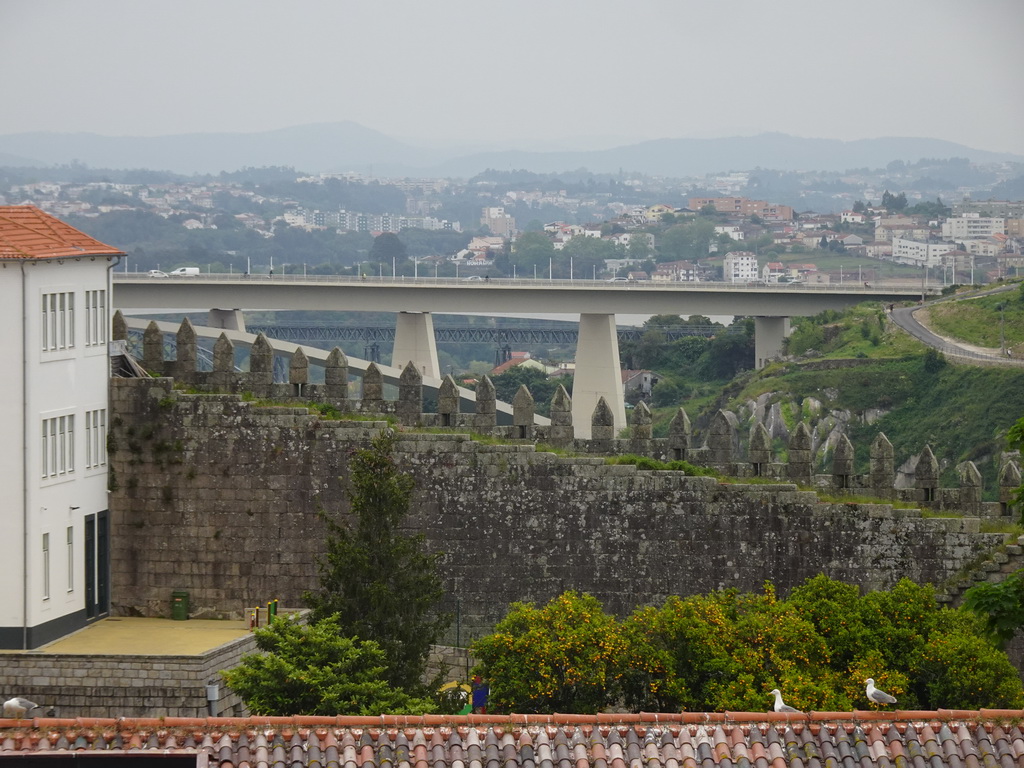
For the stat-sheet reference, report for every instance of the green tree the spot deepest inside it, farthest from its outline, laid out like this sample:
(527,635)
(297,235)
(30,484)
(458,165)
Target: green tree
(564,657)
(588,255)
(686,241)
(387,248)
(666,392)
(1001,605)
(725,356)
(532,249)
(662,321)
(312,670)
(639,246)
(678,655)
(727,650)
(541,387)
(375,582)
(893,202)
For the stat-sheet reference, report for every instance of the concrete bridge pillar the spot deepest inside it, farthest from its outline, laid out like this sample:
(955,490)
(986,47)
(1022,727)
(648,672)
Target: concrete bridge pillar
(229,319)
(414,341)
(597,373)
(768,335)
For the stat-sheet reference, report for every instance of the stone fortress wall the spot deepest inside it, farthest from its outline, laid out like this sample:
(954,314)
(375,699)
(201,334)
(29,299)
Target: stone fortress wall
(219,496)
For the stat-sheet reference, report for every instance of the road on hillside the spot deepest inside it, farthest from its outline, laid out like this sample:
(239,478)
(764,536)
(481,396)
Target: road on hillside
(905,319)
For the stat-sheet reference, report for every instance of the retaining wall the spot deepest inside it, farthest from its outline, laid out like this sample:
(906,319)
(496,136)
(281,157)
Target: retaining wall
(220,497)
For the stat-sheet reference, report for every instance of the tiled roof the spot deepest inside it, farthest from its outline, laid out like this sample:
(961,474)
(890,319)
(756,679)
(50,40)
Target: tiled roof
(953,739)
(29,233)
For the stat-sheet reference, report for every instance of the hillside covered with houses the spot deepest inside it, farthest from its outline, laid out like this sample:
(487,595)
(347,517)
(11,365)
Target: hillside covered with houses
(575,226)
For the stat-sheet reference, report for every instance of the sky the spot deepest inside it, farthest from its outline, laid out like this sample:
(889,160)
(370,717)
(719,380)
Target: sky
(530,74)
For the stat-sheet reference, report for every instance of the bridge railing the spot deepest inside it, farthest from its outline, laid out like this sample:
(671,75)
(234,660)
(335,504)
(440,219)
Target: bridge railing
(576,282)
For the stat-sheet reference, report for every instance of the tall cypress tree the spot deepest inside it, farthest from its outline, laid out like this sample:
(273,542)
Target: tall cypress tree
(380,582)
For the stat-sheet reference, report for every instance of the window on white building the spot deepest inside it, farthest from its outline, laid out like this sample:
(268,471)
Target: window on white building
(95,318)
(58,446)
(58,328)
(46,566)
(95,438)
(71,559)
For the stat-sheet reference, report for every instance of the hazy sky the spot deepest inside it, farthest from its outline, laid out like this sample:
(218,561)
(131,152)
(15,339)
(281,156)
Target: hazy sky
(583,73)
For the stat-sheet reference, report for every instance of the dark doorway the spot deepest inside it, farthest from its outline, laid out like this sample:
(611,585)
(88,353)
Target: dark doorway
(90,566)
(97,565)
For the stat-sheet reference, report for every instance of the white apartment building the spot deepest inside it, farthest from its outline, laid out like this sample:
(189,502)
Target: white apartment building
(920,253)
(972,227)
(54,303)
(732,231)
(740,267)
(988,247)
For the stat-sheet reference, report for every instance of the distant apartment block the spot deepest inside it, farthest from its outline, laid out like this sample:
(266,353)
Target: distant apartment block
(986,246)
(972,226)
(682,271)
(741,206)
(740,267)
(353,221)
(498,222)
(920,253)
(1006,209)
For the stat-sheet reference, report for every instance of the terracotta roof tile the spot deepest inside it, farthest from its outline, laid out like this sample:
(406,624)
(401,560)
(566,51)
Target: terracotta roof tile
(943,739)
(29,233)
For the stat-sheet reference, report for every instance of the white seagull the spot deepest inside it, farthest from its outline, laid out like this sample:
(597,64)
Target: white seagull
(19,707)
(780,706)
(876,696)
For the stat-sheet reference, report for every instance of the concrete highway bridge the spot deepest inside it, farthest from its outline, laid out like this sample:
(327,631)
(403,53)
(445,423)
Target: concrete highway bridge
(227,297)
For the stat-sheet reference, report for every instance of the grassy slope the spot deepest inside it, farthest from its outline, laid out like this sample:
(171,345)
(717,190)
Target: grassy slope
(961,411)
(978,321)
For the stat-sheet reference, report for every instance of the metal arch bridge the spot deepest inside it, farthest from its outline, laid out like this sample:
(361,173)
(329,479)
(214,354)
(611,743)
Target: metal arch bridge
(331,333)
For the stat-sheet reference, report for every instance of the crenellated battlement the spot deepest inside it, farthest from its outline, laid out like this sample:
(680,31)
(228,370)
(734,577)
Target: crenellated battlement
(719,447)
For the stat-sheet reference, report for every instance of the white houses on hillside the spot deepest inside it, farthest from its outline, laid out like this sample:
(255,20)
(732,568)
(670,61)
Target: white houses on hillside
(54,303)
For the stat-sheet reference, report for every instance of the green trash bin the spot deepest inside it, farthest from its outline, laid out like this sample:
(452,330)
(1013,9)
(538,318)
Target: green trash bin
(179,606)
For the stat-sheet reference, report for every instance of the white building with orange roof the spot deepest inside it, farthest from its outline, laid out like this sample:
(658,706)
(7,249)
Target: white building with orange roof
(54,301)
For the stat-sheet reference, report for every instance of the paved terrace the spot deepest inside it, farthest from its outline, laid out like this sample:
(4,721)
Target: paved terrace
(130,636)
(596,301)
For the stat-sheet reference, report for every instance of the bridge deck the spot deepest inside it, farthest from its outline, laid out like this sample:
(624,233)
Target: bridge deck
(387,294)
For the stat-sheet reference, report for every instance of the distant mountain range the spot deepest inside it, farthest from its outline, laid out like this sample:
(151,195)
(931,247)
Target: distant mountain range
(347,146)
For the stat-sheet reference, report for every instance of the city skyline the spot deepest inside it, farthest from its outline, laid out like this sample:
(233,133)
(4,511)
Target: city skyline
(527,74)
